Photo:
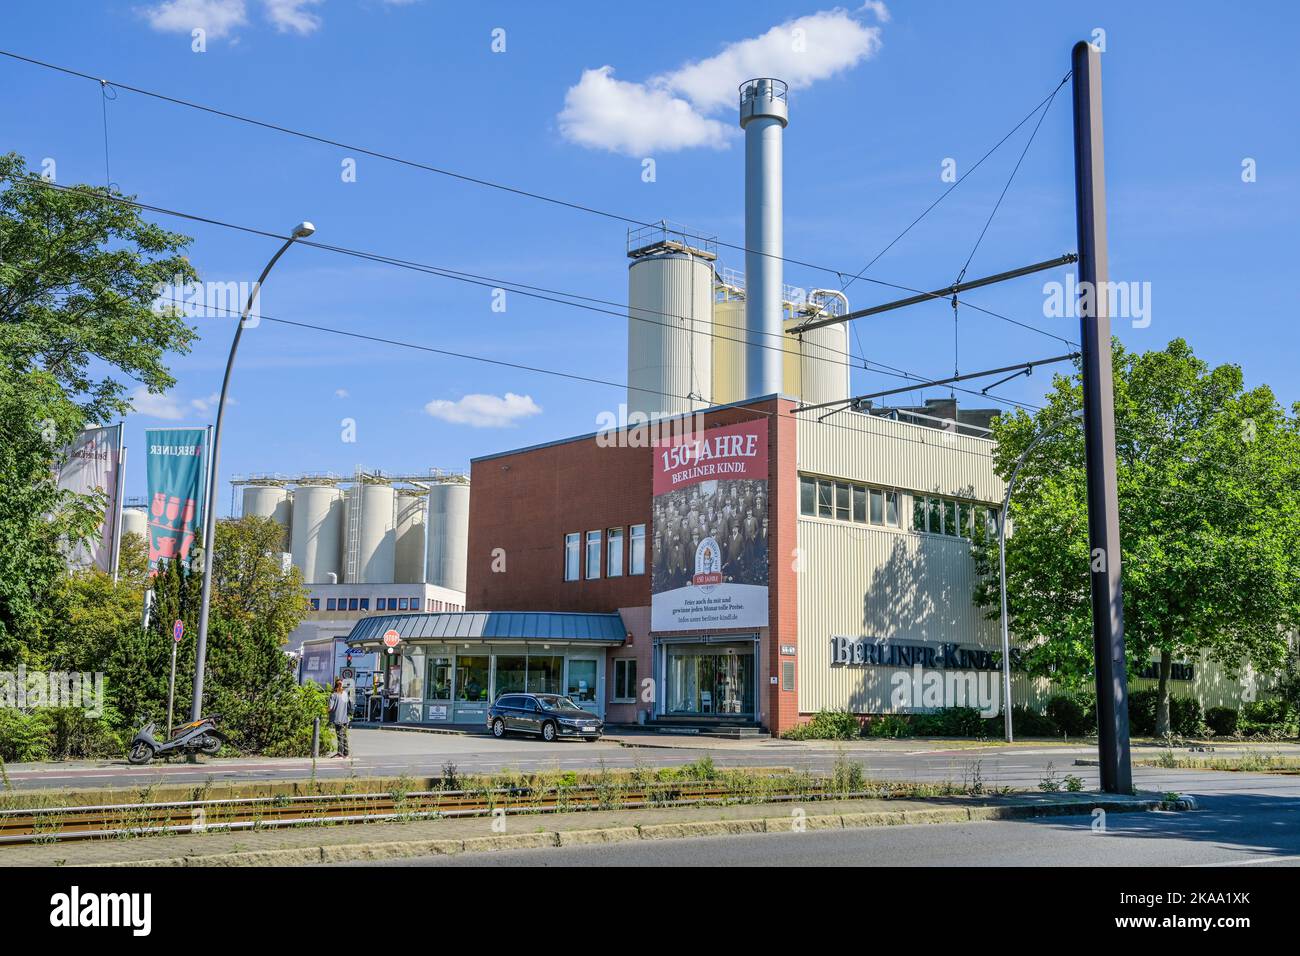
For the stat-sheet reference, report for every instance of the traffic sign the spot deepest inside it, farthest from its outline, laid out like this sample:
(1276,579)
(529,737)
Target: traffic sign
(178,630)
(392,638)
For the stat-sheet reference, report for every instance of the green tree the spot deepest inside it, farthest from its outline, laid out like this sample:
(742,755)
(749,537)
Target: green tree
(79,275)
(251,584)
(1209,498)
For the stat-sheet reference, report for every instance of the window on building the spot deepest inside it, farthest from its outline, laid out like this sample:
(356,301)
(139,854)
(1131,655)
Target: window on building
(877,507)
(825,505)
(315,604)
(891,508)
(593,554)
(935,506)
(365,604)
(860,503)
(472,677)
(625,686)
(918,512)
(614,553)
(636,550)
(950,526)
(401,604)
(381,604)
(807,496)
(417,603)
(353,604)
(545,674)
(842,501)
(572,556)
(331,604)
(966,512)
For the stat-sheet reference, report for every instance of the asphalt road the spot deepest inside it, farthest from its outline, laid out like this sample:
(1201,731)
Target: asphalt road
(1260,828)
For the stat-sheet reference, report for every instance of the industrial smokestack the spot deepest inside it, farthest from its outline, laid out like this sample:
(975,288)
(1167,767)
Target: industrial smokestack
(763,116)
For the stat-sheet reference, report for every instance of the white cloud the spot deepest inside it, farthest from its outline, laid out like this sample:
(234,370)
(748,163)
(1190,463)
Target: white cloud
(631,118)
(878,8)
(156,406)
(341,393)
(485,411)
(292,16)
(674,110)
(216,17)
(209,403)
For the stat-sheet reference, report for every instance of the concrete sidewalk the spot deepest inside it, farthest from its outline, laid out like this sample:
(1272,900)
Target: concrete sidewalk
(309,845)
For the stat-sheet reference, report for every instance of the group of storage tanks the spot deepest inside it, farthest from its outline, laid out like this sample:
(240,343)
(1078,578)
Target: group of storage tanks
(371,533)
(687,341)
(698,336)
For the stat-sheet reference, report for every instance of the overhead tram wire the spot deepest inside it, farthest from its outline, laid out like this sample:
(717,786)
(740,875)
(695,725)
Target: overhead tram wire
(542,370)
(1046,101)
(535,292)
(480,181)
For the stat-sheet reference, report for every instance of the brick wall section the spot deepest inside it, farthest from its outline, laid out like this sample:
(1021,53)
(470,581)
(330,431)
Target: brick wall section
(526,502)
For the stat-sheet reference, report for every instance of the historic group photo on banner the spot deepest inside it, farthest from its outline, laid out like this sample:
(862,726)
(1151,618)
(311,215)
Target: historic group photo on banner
(711,530)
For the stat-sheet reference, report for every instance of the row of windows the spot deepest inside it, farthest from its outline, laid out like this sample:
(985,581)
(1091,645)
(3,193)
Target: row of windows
(383,604)
(583,559)
(961,519)
(843,501)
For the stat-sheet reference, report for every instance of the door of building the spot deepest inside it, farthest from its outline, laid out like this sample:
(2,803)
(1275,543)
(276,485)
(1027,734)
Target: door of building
(581,683)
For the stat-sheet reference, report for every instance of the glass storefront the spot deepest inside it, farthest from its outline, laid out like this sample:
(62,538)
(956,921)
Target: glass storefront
(441,684)
(710,679)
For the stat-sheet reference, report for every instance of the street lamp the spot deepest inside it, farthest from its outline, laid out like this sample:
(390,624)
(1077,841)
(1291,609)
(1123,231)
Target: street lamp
(300,231)
(1002,568)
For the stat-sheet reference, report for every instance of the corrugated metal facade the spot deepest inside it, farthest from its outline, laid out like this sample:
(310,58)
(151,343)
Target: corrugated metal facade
(859,580)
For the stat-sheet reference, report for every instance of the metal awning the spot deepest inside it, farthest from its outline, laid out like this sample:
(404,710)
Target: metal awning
(558,627)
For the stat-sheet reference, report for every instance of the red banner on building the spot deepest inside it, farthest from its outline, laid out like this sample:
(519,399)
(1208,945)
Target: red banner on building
(711,530)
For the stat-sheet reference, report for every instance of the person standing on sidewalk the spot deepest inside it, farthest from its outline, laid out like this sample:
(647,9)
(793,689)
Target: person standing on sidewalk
(340,713)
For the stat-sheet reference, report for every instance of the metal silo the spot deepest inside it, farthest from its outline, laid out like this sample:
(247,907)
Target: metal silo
(269,500)
(729,340)
(817,362)
(448,535)
(135,521)
(317,532)
(670,317)
(411,503)
(376,535)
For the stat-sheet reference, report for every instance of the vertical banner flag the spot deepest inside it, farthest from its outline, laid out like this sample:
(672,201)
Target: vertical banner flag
(90,466)
(711,530)
(177,470)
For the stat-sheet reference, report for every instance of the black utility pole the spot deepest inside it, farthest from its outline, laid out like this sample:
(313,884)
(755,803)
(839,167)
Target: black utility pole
(1099,424)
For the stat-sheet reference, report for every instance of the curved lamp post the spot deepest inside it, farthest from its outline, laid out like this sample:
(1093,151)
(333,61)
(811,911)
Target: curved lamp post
(1002,568)
(300,231)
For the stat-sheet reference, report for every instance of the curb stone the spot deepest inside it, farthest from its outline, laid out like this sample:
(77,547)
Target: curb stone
(387,850)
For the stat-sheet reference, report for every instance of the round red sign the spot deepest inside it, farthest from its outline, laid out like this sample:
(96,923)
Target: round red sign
(392,638)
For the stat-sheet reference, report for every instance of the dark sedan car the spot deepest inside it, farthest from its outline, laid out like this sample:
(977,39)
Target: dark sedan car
(549,716)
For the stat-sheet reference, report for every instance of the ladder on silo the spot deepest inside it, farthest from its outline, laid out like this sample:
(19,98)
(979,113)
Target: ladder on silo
(353,557)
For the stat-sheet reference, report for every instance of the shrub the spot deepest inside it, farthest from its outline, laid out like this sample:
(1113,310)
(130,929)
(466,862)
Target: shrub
(24,736)
(1069,713)
(888,725)
(950,722)
(827,725)
(1266,718)
(1184,714)
(1028,722)
(1222,720)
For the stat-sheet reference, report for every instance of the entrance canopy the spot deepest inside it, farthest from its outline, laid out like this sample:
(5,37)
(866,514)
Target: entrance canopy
(556,627)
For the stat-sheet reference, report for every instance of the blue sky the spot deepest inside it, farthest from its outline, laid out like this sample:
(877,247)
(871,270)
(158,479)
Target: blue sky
(882,99)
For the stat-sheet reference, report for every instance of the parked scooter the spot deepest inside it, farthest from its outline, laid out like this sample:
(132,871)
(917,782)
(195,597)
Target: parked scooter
(198,736)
